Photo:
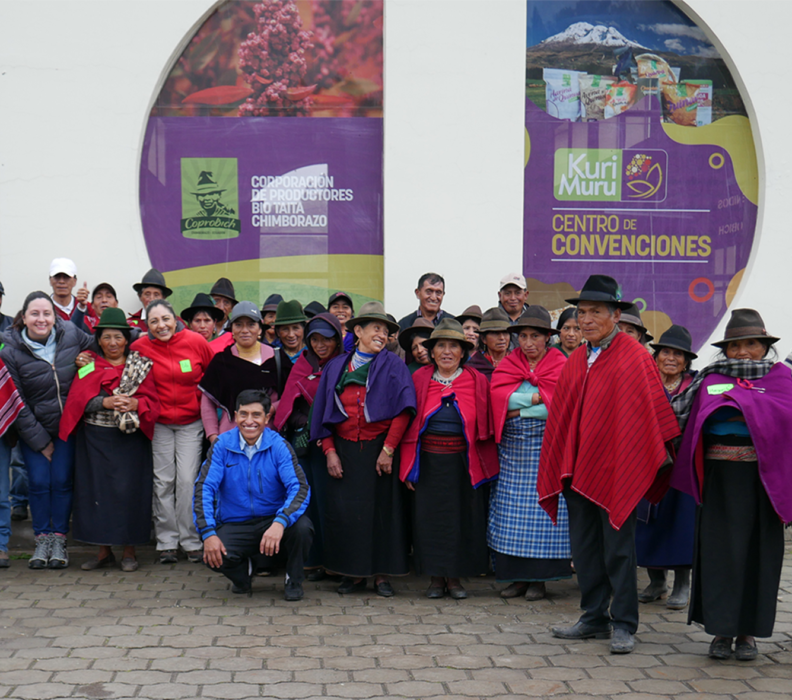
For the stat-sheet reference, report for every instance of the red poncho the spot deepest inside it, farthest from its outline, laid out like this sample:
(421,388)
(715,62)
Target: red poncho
(608,432)
(108,377)
(10,402)
(513,371)
(471,391)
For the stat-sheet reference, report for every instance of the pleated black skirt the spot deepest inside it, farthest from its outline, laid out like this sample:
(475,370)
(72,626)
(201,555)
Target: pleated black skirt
(113,481)
(314,464)
(449,527)
(365,531)
(739,552)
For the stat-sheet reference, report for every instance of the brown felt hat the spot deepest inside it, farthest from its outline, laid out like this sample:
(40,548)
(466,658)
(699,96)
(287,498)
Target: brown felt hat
(471,312)
(372,311)
(495,320)
(420,327)
(535,316)
(448,329)
(745,324)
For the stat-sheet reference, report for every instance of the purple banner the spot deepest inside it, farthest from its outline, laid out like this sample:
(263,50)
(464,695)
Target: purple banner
(217,189)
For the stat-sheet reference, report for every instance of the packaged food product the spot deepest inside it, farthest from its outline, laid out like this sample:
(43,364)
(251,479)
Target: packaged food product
(620,98)
(593,92)
(704,98)
(681,103)
(652,66)
(562,93)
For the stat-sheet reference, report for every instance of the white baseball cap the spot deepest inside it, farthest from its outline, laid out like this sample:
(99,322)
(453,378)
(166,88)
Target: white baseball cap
(513,278)
(63,265)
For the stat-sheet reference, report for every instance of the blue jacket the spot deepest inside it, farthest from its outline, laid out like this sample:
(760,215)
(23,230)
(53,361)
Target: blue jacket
(231,488)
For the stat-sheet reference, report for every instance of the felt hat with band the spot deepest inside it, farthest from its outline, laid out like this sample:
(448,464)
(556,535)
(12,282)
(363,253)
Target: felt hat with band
(448,329)
(271,303)
(224,287)
(202,302)
(312,308)
(676,338)
(495,320)
(537,317)
(289,312)
(470,313)
(372,311)
(601,288)
(633,317)
(101,287)
(420,327)
(745,324)
(153,278)
(112,317)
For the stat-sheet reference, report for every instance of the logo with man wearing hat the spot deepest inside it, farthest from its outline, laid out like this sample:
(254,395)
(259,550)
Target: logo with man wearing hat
(210,198)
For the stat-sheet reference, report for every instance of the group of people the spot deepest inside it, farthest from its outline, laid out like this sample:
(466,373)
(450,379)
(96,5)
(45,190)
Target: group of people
(346,443)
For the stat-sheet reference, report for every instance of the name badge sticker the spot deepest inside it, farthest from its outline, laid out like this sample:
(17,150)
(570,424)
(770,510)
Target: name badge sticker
(85,371)
(717,389)
(185,366)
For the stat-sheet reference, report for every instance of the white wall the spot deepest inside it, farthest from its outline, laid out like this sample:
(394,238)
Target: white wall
(77,78)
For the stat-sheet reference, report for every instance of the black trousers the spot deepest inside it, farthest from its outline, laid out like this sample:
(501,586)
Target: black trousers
(605,563)
(242,542)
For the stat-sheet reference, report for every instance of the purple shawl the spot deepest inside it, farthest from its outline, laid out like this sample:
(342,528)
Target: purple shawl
(767,414)
(389,391)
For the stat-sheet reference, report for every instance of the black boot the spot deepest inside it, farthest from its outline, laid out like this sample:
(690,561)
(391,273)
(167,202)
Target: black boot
(657,586)
(681,593)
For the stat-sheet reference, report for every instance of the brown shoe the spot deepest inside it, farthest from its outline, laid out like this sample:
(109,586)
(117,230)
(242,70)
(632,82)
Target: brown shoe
(536,591)
(514,590)
(97,563)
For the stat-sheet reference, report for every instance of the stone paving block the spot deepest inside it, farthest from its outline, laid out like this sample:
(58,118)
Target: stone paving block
(503,675)
(678,673)
(229,691)
(476,688)
(772,685)
(658,686)
(415,689)
(129,641)
(347,640)
(625,673)
(25,677)
(20,663)
(262,677)
(759,695)
(263,652)
(536,688)
(463,661)
(577,661)
(354,690)
(718,685)
(36,653)
(557,674)
(287,691)
(42,691)
(404,662)
(441,674)
(178,663)
(117,665)
(379,650)
(234,663)
(294,663)
(155,653)
(168,691)
(117,691)
(348,663)
(599,686)
(82,676)
(374,675)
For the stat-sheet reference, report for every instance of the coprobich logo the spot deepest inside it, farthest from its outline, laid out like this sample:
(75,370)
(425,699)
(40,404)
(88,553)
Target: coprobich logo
(610,175)
(210,198)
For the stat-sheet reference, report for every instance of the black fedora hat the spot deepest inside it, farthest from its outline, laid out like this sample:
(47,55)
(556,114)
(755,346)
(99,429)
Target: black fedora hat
(224,287)
(535,316)
(271,303)
(312,308)
(745,324)
(633,317)
(153,278)
(202,302)
(677,338)
(601,288)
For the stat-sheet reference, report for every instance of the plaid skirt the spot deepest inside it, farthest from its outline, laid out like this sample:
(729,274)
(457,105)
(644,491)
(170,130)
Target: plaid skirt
(517,523)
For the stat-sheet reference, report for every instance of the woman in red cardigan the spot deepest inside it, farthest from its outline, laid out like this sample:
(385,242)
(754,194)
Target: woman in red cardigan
(448,459)
(180,359)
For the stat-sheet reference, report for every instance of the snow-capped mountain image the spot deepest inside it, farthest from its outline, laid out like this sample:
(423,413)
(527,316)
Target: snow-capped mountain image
(585,33)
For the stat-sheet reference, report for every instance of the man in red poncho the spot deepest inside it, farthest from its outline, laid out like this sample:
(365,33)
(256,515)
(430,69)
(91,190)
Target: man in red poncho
(608,436)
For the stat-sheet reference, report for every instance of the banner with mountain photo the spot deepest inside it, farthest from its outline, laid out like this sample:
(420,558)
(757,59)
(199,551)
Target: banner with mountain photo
(262,157)
(639,161)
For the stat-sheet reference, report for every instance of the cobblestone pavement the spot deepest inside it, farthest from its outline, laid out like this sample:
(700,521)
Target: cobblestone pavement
(177,632)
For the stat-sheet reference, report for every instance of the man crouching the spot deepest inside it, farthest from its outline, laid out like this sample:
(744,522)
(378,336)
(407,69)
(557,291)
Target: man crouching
(250,497)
